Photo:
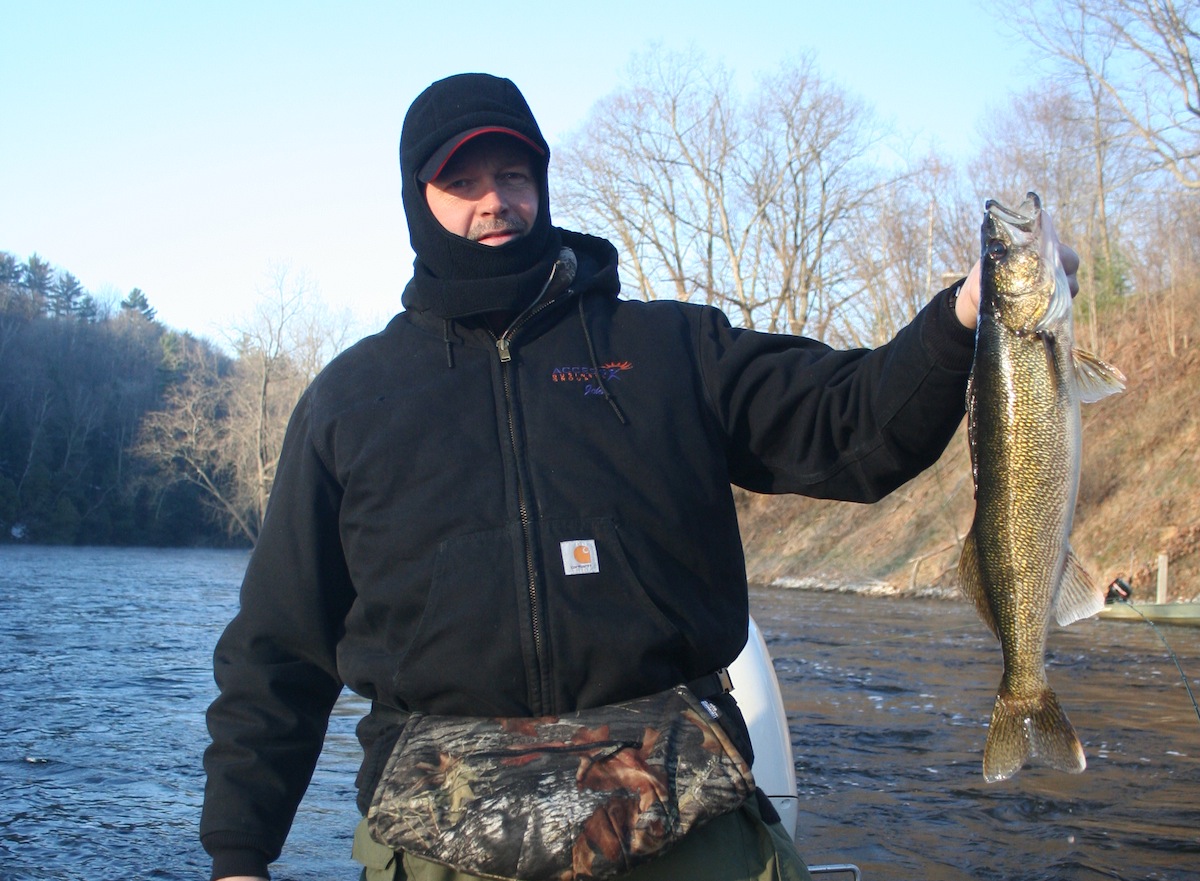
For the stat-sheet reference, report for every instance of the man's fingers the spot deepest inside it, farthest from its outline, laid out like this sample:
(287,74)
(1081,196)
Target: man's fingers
(1070,262)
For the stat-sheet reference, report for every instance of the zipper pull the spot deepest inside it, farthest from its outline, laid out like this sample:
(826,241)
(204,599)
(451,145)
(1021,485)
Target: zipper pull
(502,348)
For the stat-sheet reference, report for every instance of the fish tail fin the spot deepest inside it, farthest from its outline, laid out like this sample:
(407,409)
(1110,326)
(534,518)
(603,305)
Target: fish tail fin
(1076,596)
(1024,728)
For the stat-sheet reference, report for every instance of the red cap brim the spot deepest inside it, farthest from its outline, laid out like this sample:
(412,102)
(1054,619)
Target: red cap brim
(434,165)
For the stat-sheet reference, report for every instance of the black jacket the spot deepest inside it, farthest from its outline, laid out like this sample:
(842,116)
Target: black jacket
(420,543)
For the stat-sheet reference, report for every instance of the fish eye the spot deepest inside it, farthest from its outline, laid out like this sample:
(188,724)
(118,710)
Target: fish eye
(996,249)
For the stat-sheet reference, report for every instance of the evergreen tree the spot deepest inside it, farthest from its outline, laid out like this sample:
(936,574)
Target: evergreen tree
(88,309)
(37,282)
(11,273)
(65,295)
(137,302)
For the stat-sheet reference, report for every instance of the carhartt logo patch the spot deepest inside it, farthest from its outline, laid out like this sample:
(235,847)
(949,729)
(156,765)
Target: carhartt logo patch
(579,557)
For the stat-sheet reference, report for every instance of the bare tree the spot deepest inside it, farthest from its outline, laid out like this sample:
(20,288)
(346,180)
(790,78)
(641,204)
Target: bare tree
(190,435)
(1049,141)
(745,204)
(909,245)
(637,172)
(1140,56)
(811,178)
(280,349)
(222,428)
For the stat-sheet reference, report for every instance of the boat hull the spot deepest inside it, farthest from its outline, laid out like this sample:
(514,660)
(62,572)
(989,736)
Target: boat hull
(1186,614)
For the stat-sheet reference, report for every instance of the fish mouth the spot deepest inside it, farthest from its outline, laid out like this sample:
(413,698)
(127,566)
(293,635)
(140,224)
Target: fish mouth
(1021,265)
(1024,217)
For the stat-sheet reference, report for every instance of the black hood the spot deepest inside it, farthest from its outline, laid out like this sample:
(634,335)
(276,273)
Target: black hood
(454,277)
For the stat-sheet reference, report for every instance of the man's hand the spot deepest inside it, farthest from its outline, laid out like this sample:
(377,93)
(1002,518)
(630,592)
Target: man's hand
(966,307)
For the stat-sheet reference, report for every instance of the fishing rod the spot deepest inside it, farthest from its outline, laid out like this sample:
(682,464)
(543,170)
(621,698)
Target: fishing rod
(1170,651)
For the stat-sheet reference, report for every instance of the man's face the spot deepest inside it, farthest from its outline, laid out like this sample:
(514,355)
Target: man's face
(487,192)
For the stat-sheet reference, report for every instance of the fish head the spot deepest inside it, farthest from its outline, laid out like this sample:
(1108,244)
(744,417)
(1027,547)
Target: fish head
(1023,284)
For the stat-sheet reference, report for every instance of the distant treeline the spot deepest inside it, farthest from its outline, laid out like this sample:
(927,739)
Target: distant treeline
(115,429)
(77,378)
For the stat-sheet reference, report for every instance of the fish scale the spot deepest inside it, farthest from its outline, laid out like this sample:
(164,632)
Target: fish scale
(1027,382)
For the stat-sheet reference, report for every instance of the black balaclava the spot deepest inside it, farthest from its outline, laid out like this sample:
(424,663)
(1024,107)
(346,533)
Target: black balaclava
(454,277)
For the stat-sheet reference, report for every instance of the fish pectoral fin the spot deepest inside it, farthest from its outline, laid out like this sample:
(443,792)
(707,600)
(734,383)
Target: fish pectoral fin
(1058,307)
(1095,378)
(1025,728)
(970,580)
(1077,596)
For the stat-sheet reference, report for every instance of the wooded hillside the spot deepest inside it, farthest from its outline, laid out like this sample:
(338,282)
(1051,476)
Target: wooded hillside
(115,429)
(1139,485)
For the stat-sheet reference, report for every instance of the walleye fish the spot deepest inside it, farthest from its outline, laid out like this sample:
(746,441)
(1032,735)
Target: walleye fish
(1026,385)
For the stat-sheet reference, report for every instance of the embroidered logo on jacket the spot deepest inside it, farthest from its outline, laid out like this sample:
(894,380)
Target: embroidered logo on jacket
(610,372)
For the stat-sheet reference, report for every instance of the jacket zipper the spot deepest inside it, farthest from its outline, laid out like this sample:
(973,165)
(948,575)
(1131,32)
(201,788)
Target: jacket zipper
(504,348)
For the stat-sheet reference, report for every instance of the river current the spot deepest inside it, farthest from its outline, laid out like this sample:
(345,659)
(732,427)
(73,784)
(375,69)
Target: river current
(105,659)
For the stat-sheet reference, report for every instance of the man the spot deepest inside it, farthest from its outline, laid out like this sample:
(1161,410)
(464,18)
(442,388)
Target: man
(436,474)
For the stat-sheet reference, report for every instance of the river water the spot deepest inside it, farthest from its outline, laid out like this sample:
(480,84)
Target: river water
(105,664)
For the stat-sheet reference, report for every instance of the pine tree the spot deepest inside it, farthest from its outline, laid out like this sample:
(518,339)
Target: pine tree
(137,302)
(37,281)
(65,295)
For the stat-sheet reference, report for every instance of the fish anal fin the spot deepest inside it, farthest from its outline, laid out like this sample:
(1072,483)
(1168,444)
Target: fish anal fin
(1095,378)
(970,580)
(1030,728)
(1077,596)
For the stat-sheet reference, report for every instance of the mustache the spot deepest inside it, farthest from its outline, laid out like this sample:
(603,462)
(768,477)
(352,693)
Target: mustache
(499,225)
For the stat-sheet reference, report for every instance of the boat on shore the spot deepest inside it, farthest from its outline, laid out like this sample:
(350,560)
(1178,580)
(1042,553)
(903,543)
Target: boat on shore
(1186,614)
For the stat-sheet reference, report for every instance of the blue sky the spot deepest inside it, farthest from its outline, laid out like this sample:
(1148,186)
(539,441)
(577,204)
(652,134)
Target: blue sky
(190,148)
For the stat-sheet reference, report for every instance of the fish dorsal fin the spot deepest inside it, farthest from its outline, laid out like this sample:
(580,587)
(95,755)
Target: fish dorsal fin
(971,582)
(1077,597)
(1095,378)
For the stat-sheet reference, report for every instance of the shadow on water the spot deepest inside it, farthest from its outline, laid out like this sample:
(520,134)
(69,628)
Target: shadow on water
(106,663)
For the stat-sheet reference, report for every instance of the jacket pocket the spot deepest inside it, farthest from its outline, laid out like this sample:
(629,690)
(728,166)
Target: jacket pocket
(609,639)
(465,655)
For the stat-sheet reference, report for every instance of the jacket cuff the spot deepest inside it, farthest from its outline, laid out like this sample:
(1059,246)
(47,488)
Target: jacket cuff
(239,861)
(951,345)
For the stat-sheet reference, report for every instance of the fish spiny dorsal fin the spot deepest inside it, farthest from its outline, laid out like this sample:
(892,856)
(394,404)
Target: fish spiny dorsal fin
(971,582)
(1095,378)
(1076,597)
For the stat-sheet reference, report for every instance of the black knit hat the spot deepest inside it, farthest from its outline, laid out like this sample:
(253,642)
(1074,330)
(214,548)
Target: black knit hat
(455,277)
(451,108)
